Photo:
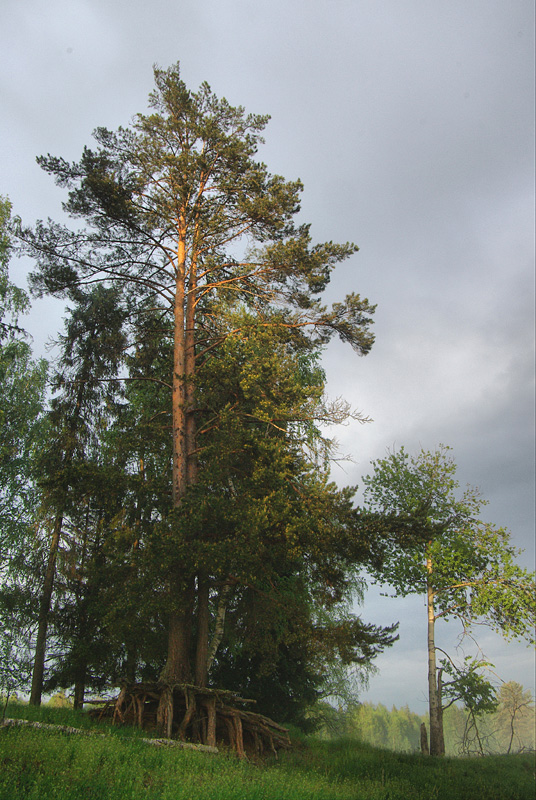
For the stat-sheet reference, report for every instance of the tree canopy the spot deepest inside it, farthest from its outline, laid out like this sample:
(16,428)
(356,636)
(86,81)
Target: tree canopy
(465,567)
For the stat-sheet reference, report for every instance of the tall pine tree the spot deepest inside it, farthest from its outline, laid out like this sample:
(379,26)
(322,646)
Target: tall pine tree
(181,216)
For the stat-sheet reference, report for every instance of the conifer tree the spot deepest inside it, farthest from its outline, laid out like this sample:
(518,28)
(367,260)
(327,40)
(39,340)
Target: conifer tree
(91,350)
(180,214)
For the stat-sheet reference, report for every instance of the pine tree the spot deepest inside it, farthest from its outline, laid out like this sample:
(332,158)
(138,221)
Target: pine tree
(178,210)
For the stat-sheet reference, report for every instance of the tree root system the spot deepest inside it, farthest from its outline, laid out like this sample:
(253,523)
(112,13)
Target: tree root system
(209,717)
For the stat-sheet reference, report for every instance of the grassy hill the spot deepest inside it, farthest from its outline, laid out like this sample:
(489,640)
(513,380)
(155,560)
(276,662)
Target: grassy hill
(37,764)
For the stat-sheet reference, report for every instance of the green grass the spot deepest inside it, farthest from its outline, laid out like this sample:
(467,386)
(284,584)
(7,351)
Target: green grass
(55,715)
(41,765)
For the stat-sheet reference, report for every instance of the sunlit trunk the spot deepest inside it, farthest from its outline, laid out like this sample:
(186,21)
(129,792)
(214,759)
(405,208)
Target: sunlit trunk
(189,376)
(180,454)
(177,667)
(203,611)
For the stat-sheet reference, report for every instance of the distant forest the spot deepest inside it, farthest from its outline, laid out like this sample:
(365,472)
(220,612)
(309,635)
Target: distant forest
(511,728)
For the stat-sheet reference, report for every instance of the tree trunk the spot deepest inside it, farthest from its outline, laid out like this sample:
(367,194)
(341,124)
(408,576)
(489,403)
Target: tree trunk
(48,585)
(425,750)
(177,667)
(219,627)
(164,714)
(79,689)
(190,367)
(44,609)
(201,656)
(131,663)
(437,743)
(179,399)
(512,731)
(203,609)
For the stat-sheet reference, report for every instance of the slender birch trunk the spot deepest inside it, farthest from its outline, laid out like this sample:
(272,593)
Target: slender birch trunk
(81,602)
(437,743)
(219,626)
(44,608)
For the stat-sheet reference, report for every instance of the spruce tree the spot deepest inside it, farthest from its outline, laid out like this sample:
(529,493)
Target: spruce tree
(91,353)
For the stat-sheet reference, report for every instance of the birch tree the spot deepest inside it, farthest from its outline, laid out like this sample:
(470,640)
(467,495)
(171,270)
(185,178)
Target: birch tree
(22,391)
(464,567)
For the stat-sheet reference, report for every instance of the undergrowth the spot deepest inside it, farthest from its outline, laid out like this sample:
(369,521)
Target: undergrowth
(42,764)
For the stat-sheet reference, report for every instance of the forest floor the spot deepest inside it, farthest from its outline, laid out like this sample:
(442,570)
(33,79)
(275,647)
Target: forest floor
(46,763)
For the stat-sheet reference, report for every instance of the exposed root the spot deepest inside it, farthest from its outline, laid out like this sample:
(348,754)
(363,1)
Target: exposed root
(203,716)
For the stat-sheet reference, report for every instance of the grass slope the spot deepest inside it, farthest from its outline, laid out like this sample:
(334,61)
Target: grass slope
(41,765)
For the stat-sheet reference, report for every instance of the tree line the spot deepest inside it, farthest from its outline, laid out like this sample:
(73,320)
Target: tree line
(166,507)
(510,728)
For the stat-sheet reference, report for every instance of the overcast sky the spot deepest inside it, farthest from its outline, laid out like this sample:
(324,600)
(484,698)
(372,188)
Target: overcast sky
(411,123)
